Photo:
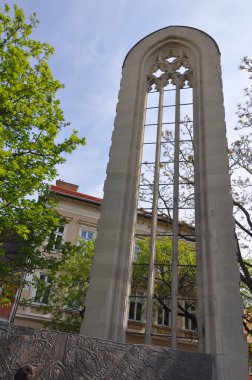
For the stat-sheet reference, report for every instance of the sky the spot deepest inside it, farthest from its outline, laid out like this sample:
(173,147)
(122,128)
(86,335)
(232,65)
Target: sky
(91,39)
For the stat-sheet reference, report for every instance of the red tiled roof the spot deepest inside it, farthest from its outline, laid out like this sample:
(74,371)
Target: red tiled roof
(74,194)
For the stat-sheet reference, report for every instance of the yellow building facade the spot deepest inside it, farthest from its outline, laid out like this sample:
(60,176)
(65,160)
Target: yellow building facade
(82,213)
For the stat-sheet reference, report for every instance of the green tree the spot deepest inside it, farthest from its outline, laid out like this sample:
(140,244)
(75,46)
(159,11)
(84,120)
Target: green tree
(163,274)
(31,127)
(65,292)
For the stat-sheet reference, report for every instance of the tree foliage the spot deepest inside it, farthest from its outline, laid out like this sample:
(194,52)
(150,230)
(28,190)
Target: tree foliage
(31,123)
(163,273)
(63,296)
(65,293)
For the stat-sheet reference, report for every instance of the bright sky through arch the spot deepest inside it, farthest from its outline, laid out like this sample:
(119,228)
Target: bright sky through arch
(91,40)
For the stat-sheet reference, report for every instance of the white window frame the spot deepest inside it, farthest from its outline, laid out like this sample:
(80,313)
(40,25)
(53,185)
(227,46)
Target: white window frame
(188,324)
(136,252)
(88,230)
(48,282)
(57,233)
(137,301)
(161,311)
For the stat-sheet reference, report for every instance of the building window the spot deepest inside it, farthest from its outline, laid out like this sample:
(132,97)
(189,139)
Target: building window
(56,239)
(163,313)
(136,252)
(136,308)
(190,323)
(86,235)
(43,289)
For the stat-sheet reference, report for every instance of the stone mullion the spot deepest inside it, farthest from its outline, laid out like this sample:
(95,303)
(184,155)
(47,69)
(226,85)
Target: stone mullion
(175,231)
(151,275)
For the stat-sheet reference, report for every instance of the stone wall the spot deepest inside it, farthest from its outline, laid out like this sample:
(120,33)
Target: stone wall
(60,356)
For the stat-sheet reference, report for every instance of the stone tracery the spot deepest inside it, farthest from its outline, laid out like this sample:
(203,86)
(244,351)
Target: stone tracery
(169,61)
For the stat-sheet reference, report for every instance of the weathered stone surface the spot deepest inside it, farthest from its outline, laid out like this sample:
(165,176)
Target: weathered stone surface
(73,357)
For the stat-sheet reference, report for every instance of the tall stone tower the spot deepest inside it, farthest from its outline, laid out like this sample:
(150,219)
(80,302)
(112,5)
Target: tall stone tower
(172,59)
